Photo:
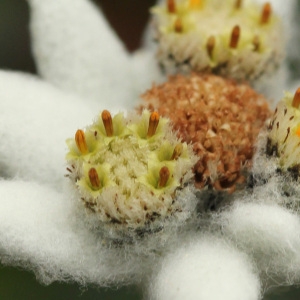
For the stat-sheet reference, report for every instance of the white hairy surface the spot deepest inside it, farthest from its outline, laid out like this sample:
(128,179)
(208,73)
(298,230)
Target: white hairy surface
(270,234)
(206,268)
(35,120)
(76,50)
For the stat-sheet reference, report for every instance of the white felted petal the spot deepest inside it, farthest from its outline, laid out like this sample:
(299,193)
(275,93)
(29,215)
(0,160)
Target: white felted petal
(271,234)
(36,119)
(274,85)
(40,231)
(146,70)
(206,269)
(76,50)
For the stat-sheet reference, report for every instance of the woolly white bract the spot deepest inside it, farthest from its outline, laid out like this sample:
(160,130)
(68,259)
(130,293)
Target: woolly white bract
(41,227)
(206,268)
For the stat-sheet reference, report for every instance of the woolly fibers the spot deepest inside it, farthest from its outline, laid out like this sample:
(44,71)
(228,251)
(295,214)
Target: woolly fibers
(40,230)
(144,59)
(206,268)
(35,121)
(270,233)
(76,50)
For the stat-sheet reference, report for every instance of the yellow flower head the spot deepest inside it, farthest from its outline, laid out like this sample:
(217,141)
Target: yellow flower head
(233,38)
(128,171)
(284,134)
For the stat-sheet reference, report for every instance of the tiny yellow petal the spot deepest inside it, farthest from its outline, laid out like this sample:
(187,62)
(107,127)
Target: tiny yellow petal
(210,45)
(266,13)
(81,142)
(94,179)
(164,175)
(171,6)
(235,36)
(177,152)
(178,27)
(107,122)
(194,4)
(238,4)
(296,99)
(153,123)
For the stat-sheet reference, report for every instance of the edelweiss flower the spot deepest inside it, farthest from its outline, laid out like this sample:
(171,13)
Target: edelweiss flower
(231,254)
(220,117)
(237,39)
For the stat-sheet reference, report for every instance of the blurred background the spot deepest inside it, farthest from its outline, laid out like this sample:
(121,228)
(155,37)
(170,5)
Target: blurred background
(128,18)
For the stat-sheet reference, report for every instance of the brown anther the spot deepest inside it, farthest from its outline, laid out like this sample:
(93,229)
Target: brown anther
(153,123)
(194,4)
(107,122)
(178,26)
(235,36)
(266,13)
(256,43)
(210,45)
(238,4)
(171,6)
(296,100)
(94,178)
(81,142)
(177,152)
(164,175)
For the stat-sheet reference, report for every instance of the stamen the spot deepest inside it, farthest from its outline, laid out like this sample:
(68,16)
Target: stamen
(164,175)
(210,45)
(235,36)
(296,100)
(238,4)
(171,6)
(266,13)
(178,27)
(177,152)
(153,123)
(81,142)
(94,178)
(107,121)
(256,43)
(194,4)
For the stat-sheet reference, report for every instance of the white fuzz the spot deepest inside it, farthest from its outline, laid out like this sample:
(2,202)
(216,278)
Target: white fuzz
(144,59)
(76,50)
(274,85)
(208,269)
(269,233)
(220,37)
(35,120)
(40,231)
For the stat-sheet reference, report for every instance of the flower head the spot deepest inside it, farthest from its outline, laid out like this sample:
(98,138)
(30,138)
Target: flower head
(129,172)
(237,39)
(284,134)
(219,117)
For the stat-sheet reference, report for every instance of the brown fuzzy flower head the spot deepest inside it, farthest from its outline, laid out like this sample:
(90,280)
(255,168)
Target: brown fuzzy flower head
(220,117)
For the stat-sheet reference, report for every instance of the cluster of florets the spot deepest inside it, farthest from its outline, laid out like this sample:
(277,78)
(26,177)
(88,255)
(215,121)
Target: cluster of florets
(129,172)
(284,134)
(233,38)
(219,117)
